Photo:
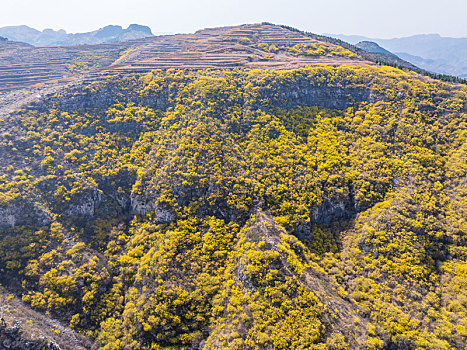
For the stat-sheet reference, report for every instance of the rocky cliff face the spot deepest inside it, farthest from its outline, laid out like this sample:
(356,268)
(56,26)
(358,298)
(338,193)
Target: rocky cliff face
(331,211)
(21,212)
(280,96)
(11,338)
(322,96)
(75,99)
(143,204)
(85,204)
(9,215)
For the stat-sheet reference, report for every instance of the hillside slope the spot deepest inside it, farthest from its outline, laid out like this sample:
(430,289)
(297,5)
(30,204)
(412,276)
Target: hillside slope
(23,328)
(314,208)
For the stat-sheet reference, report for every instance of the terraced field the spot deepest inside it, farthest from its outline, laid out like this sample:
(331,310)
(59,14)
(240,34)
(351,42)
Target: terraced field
(23,65)
(226,47)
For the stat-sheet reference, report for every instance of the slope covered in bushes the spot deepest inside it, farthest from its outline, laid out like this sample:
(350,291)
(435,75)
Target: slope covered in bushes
(316,208)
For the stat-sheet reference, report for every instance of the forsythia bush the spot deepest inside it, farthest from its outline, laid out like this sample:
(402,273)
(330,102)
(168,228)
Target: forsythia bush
(236,210)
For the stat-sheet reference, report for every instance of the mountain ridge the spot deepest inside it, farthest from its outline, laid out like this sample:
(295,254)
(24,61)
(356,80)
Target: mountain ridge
(439,54)
(50,37)
(371,46)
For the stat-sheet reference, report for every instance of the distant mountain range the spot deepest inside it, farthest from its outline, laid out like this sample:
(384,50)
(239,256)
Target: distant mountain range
(50,37)
(432,52)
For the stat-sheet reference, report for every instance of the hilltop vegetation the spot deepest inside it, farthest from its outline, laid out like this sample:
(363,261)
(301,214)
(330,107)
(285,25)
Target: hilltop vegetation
(317,208)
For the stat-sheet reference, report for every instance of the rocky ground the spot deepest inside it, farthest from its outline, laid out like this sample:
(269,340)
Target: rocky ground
(25,329)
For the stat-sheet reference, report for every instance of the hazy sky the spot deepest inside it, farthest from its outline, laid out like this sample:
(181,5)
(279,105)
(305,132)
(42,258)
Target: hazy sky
(374,18)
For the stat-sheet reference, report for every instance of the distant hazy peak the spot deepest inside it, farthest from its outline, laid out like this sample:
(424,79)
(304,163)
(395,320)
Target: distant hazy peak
(432,52)
(109,30)
(371,46)
(50,37)
(139,28)
(21,27)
